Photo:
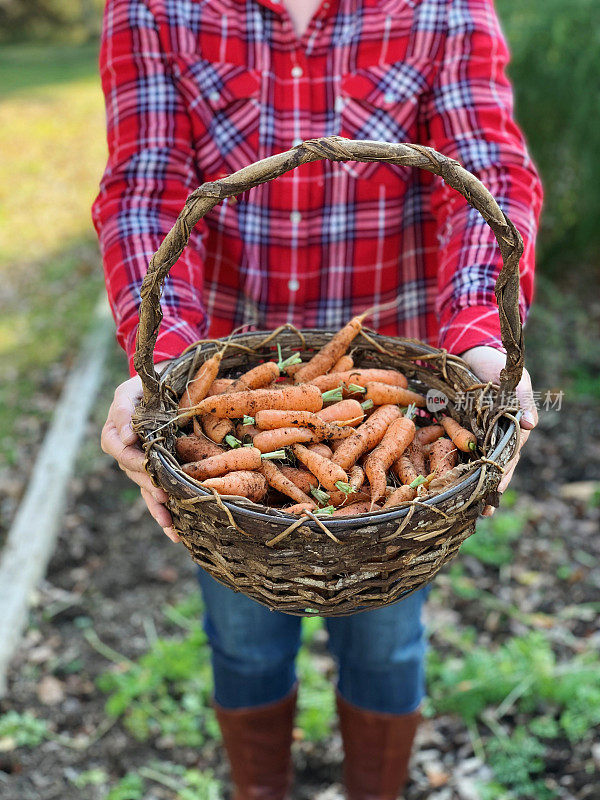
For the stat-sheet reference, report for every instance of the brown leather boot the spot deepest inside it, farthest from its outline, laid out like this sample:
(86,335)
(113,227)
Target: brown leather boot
(376,749)
(258,742)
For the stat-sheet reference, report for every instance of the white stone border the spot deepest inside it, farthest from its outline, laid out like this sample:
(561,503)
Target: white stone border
(31,538)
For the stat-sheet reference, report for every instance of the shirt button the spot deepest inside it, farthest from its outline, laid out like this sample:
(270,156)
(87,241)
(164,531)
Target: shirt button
(293,285)
(389,97)
(214,97)
(296,72)
(295,217)
(296,142)
(340,102)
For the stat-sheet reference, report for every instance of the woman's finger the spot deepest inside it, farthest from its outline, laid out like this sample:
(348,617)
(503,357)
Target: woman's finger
(144,481)
(524,394)
(127,395)
(161,515)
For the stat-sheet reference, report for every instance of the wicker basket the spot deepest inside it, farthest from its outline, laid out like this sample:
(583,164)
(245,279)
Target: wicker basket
(341,566)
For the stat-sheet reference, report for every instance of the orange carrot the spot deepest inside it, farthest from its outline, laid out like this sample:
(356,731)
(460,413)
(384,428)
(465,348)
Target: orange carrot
(428,434)
(267,441)
(215,427)
(245,431)
(348,411)
(302,478)
(397,438)
(343,364)
(406,470)
(366,437)
(242,483)
(400,495)
(442,456)
(195,448)
(243,458)
(324,469)
(417,455)
(279,481)
(270,420)
(383,393)
(293,369)
(300,507)
(256,378)
(462,438)
(219,386)
(355,509)
(360,377)
(238,404)
(263,374)
(322,449)
(327,356)
(338,499)
(197,388)
(356,476)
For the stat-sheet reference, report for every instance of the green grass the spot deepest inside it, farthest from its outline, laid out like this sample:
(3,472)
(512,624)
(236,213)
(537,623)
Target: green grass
(29,66)
(52,139)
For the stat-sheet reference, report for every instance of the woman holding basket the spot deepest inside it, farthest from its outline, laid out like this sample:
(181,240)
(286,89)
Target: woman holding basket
(197,90)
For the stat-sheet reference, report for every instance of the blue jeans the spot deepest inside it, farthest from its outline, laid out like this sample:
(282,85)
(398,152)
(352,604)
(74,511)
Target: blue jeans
(379,653)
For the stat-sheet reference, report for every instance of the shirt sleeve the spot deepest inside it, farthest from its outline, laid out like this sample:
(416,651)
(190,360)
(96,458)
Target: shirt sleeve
(469,117)
(151,170)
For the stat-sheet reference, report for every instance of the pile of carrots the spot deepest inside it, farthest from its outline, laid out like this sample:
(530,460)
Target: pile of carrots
(322,436)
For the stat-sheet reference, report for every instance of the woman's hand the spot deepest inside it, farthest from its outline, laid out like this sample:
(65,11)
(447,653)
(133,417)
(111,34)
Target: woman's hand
(486,363)
(121,442)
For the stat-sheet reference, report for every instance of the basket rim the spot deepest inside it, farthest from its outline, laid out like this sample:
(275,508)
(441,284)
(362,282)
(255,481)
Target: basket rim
(342,522)
(358,521)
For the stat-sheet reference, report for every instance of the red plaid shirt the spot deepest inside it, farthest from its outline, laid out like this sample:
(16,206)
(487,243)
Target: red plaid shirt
(195,90)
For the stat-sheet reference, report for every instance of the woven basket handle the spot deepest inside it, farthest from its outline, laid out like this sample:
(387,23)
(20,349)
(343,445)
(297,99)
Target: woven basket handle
(335,148)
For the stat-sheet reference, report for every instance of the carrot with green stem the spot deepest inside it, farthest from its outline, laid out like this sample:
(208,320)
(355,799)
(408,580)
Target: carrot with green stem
(248,402)
(382,394)
(328,473)
(244,458)
(396,439)
(215,427)
(349,412)
(269,420)
(283,437)
(360,377)
(327,356)
(264,374)
(462,438)
(403,494)
(241,483)
(366,436)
